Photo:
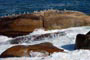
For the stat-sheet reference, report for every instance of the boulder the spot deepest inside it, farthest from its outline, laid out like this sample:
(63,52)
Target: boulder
(51,19)
(19,25)
(22,50)
(82,41)
(60,20)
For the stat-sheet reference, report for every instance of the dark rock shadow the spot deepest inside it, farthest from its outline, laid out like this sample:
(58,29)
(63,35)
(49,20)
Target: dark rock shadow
(69,47)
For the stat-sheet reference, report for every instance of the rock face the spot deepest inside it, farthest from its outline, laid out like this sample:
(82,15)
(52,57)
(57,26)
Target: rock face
(50,19)
(61,19)
(19,25)
(22,50)
(83,41)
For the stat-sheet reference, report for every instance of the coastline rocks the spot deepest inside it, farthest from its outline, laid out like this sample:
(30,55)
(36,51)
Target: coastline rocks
(19,25)
(83,41)
(50,19)
(22,50)
(60,20)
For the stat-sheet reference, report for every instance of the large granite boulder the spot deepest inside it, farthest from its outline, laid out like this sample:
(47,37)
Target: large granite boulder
(19,25)
(50,19)
(65,19)
(83,41)
(22,50)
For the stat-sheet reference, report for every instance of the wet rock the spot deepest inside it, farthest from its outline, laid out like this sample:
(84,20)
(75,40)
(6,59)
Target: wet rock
(83,41)
(22,50)
(27,39)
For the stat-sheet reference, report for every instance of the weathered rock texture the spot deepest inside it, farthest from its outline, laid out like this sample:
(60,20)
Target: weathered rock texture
(61,19)
(22,50)
(83,41)
(50,19)
(19,25)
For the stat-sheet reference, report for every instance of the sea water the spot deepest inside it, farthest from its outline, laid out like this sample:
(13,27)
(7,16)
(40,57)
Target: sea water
(9,7)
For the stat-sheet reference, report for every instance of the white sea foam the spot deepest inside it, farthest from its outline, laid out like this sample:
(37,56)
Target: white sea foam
(66,42)
(4,38)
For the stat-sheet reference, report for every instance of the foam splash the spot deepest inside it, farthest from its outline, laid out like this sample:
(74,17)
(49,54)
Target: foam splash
(65,42)
(38,35)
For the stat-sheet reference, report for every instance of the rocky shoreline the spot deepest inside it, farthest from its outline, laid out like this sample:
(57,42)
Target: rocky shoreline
(45,48)
(23,24)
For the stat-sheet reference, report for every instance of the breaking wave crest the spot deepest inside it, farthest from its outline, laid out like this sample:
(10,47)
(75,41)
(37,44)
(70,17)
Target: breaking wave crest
(65,40)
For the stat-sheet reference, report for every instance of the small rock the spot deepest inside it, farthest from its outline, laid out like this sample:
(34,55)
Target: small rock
(83,41)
